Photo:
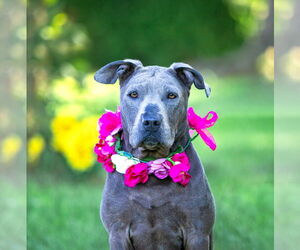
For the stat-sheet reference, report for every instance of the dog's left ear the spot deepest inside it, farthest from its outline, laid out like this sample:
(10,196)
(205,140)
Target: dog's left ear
(189,75)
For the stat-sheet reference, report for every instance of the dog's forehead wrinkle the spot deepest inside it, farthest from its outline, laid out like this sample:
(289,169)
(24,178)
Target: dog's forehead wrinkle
(146,73)
(153,69)
(153,73)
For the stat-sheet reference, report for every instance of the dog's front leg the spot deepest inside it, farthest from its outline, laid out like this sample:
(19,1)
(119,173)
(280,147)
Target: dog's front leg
(197,243)
(119,238)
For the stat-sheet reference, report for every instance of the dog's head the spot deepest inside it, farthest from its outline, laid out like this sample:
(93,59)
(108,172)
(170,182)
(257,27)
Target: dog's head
(153,103)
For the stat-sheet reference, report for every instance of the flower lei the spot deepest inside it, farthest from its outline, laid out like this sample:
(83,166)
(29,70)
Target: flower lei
(175,166)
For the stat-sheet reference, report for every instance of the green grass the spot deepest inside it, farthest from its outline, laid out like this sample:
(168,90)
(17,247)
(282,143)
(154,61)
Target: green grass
(13,209)
(64,216)
(64,213)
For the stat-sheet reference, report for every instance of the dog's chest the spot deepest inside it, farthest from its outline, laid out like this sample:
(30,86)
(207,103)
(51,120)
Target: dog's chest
(156,228)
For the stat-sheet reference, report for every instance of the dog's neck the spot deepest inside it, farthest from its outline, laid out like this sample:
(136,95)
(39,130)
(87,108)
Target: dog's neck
(181,139)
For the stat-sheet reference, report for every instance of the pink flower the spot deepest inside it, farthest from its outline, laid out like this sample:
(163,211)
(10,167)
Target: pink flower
(110,123)
(110,140)
(108,150)
(179,173)
(108,166)
(103,150)
(160,168)
(201,124)
(181,158)
(104,153)
(98,150)
(135,174)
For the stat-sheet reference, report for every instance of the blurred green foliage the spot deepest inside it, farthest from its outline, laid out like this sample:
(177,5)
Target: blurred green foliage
(157,32)
(68,36)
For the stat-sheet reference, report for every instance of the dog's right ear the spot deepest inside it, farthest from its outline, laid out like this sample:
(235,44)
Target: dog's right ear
(109,73)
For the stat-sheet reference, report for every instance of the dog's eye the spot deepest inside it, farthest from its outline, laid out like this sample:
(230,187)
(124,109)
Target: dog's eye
(133,94)
(172,96)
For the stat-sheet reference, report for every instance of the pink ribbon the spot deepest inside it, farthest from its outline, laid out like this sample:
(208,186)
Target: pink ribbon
(200,124)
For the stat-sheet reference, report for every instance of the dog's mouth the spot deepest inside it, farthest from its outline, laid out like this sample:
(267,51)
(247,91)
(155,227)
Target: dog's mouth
(150,143)
(151,147)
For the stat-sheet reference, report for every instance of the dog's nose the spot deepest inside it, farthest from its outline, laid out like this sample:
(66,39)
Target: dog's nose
(151,123)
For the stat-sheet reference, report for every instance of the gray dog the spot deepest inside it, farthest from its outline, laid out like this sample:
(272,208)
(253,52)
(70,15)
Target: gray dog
(160,214)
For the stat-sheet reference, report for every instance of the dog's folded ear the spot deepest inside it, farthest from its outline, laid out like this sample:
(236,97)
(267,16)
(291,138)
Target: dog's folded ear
(109,73)
(189,75)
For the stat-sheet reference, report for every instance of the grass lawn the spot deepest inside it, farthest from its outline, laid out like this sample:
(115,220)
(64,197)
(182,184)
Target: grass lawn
(63,213)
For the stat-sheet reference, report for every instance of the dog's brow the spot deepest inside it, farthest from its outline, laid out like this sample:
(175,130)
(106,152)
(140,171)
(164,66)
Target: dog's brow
(170,88)
(138,82)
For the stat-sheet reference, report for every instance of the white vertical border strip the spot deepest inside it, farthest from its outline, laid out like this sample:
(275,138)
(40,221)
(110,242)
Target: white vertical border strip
(13,124)
(287,125)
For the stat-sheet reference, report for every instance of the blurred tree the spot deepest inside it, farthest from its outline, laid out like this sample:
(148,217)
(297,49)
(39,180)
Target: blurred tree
(260,34)
(155,32)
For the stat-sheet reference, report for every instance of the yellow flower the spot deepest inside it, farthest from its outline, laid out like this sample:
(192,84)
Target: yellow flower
(76,140)
(79,147)
(11,145)
(61,127)
(36,145)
